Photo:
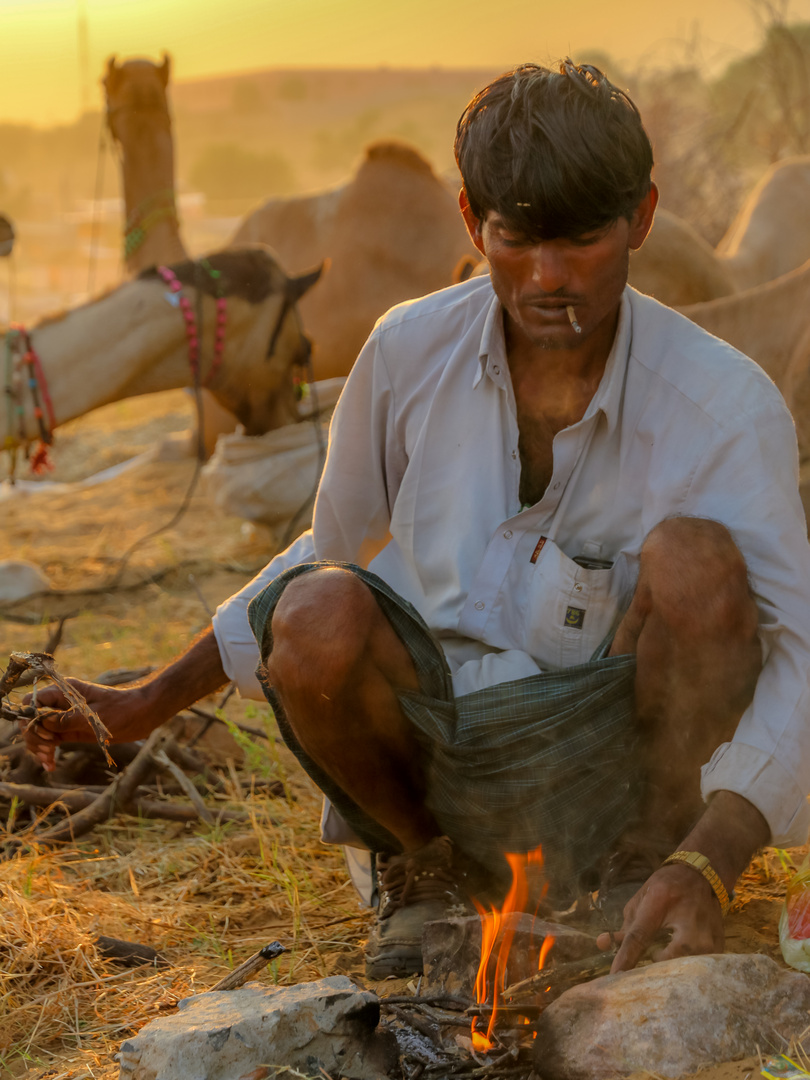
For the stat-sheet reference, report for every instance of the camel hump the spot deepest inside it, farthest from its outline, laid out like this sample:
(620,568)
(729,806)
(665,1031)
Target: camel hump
(396,152)
(770,235)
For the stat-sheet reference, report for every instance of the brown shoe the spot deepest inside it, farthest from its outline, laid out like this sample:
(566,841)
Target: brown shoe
(415,888)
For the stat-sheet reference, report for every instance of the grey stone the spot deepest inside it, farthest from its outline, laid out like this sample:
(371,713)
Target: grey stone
(328,1024)
(672,1018)
(451,951)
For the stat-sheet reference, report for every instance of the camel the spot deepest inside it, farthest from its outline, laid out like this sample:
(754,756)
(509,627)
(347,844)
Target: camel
(140,123)
(132,341)
(771,234)
(393,232)
(771,324)
(765,322)
(677,266)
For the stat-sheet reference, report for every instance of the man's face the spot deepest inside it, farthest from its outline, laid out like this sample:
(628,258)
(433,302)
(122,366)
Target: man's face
(537,281)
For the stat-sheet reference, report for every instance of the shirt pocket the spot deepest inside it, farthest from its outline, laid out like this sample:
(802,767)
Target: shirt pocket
(570,609)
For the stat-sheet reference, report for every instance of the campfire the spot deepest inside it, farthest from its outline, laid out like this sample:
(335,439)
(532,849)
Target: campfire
(489,987)
(488,978)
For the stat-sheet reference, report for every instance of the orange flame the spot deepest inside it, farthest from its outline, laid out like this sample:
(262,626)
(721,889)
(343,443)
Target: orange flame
(491,923)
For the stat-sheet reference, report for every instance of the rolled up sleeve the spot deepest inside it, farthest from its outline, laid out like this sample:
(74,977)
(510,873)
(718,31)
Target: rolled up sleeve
(749,482)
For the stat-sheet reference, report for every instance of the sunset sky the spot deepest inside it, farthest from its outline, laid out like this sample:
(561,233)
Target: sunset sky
(39,66)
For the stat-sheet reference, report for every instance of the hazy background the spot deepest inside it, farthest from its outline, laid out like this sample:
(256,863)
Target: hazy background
(279,97)
(41,82)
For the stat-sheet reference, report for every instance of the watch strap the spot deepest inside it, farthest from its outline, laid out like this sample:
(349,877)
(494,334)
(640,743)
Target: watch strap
(705,869)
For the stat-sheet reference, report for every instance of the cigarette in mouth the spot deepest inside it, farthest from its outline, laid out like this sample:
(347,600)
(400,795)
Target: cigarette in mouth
(572,318)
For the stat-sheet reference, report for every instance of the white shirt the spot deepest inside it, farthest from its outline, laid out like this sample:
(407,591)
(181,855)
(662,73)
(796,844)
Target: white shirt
(421,485)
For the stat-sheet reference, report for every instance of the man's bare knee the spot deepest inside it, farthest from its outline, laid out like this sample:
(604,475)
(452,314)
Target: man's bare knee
(327,626)
(696,579)
(320,626)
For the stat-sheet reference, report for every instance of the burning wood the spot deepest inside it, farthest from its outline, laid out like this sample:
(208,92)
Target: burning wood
(557,980)
(491,991)
(511,965)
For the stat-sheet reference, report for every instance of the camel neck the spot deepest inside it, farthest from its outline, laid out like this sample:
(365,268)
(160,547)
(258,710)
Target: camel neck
(147,164)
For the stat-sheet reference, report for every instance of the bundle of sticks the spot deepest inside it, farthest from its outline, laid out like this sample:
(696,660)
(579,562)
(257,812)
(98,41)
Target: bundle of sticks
(86,805)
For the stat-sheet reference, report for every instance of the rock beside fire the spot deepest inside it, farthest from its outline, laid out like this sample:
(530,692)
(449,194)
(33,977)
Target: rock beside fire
(672,1018)
(328,1024)
(451,950)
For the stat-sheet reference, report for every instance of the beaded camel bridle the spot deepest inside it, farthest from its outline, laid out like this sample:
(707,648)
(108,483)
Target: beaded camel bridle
(24,377)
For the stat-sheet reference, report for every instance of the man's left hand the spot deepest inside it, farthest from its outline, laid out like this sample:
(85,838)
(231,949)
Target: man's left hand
(675,901)
(678,900)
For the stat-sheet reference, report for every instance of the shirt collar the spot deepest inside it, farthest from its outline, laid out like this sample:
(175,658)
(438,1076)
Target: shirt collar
(609,393)
(607,399)
(492,353)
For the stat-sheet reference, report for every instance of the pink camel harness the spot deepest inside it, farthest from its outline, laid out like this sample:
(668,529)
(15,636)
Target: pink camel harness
(192,330)
(20,353)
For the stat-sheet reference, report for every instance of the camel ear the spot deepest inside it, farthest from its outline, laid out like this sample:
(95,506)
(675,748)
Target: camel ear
(297,286)
(165,69)
(112,71)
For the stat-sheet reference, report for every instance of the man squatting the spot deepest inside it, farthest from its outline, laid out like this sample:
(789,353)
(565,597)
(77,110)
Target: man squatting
(557,587)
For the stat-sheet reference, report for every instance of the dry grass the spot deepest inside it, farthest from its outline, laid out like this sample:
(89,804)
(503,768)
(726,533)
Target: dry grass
(205,898)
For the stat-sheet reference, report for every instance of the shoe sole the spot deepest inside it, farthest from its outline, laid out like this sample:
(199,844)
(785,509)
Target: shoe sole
(401,965)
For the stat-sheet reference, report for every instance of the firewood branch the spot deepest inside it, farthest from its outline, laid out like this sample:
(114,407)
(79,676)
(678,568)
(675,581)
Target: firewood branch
(250,967)
(163,759)
(552,982)
(118,795)
(74,799)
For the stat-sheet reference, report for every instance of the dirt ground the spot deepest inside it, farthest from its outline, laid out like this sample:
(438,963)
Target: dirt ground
(206,897)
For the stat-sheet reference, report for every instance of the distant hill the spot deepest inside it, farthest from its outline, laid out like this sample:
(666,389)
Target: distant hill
(320,120)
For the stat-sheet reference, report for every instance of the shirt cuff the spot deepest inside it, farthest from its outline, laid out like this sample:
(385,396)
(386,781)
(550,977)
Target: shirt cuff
(766,784)
(237,648)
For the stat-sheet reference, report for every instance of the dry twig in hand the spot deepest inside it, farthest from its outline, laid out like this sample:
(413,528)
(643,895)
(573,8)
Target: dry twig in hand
(42,664)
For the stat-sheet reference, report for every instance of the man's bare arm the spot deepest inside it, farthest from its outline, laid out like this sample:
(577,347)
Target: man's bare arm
(678,899)
(130,712)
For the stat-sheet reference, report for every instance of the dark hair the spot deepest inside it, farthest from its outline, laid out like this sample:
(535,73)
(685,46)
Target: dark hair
(555,154)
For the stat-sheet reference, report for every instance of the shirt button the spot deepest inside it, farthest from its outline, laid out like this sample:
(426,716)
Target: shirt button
(577,587)
(508,534)
(479,605)
(514,454)
(556,485)
(497,370)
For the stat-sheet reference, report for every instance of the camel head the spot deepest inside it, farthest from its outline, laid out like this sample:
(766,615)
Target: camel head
(266,352)
(136,89)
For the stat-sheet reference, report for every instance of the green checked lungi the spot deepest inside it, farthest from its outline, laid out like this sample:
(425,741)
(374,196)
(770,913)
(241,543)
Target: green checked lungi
(544,760)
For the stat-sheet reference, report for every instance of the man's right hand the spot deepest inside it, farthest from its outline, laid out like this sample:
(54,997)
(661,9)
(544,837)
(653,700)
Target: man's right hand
(128,712)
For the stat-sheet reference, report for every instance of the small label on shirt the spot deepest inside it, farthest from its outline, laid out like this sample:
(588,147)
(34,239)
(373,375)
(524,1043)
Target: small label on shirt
(575,617)
(541,543)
